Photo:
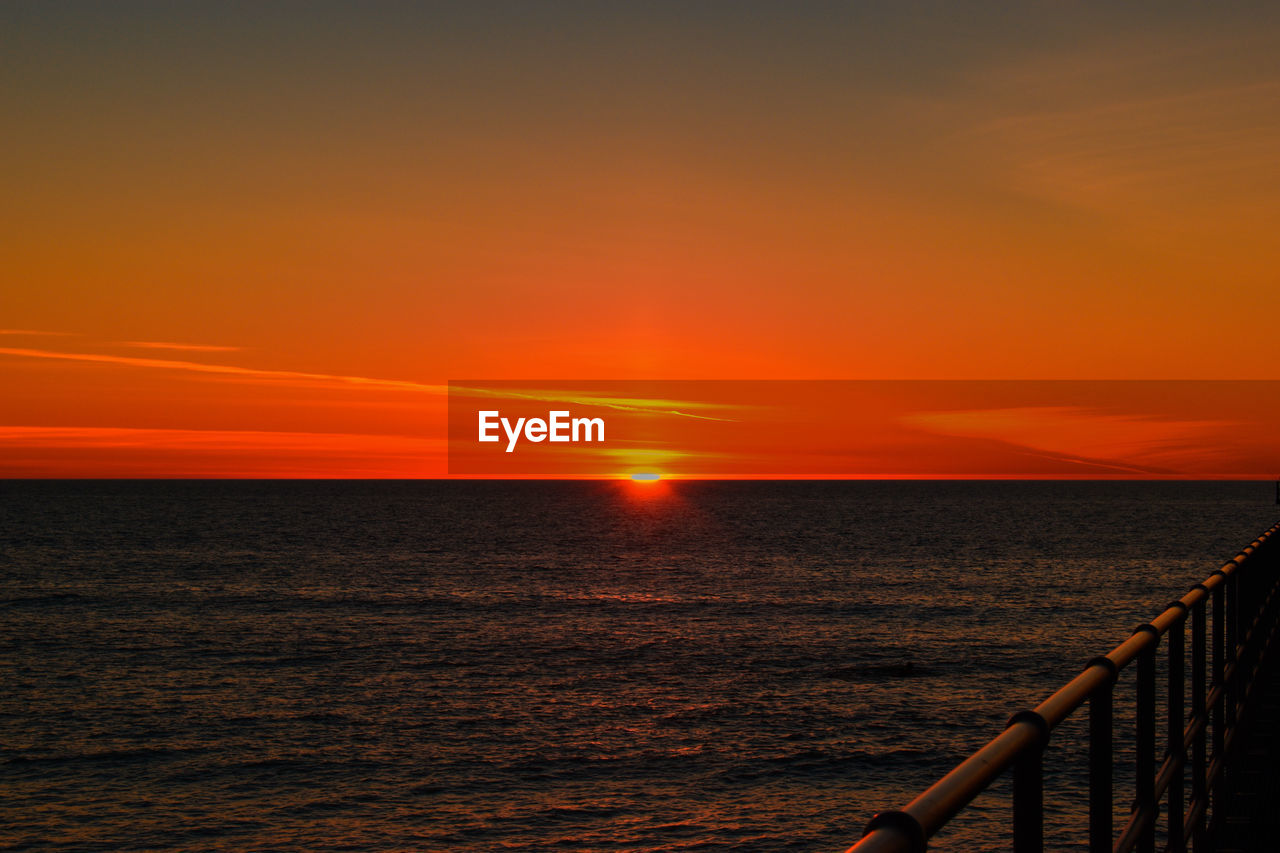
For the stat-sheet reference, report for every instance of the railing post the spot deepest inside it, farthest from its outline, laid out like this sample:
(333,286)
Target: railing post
(1218,680)
(1199,764)
(1028,788)
(1101,759)
(1233,650)
(901,824)
(1176,733)
(1145,736)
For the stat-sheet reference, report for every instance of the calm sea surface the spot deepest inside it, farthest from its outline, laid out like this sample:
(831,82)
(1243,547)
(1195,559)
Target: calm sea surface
(483,666)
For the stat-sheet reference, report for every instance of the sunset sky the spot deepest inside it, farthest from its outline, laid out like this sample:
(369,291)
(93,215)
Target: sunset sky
(259,239)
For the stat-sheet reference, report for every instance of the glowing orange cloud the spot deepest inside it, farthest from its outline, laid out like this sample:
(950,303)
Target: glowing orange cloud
(183,347)
(225,369)
(1147,443)
(36,333)
(106,451)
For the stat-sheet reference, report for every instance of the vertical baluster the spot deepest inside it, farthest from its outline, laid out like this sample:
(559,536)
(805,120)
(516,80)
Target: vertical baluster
(1219,704)
(1028,803)
(1145,732)
(1233,659)
(1028,789)
(1101,760)
(1199,792)
(1245,614)
(1176,690)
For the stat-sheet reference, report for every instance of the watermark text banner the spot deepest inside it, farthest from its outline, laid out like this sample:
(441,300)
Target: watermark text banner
(855,428)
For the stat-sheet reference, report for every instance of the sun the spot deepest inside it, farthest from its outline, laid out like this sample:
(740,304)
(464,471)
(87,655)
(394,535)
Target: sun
(647,487)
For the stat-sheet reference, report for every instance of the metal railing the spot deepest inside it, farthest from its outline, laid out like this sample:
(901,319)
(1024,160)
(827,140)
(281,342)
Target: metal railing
(1233,618)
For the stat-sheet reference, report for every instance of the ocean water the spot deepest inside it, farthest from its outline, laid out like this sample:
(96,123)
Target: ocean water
(481,666)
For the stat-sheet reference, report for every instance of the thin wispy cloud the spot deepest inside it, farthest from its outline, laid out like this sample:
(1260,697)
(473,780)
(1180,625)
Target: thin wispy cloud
(1118,127)
(37,333)
(623,404)
(1131,442)
(181,347)
(41,451)
(248,373)
(214,439)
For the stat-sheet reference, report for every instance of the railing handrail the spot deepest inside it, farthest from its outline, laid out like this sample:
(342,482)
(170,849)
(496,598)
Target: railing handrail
(1022,742)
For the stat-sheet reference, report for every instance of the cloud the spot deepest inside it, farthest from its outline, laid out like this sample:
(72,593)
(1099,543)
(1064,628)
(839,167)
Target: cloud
(183,347)
(211,439)
(1133,442)
(43,451)
(37,332)
(641,405)
(1172,122)
(248,373)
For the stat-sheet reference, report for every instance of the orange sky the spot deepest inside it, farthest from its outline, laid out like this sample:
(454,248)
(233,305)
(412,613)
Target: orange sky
(258,241)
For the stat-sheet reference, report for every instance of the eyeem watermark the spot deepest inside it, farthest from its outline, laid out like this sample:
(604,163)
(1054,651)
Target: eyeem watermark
(558,426)
(862,428)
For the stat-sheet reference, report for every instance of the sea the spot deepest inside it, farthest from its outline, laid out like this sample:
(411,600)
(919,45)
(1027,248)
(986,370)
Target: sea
(568,666)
